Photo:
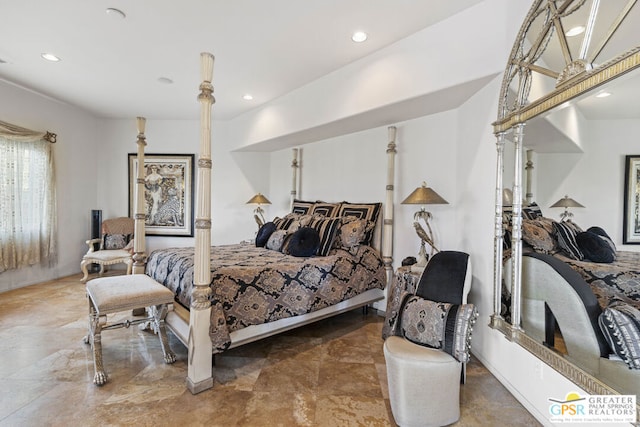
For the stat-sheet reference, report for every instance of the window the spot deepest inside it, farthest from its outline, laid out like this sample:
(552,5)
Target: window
(27,202)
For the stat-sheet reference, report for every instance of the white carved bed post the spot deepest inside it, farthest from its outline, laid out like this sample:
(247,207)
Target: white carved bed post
(387,232)
(199,377)
(529,168)
(139,257)
(294,185)
(496,317)
(516,238)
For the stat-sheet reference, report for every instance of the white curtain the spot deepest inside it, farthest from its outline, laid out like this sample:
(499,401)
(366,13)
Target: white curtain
(27,198)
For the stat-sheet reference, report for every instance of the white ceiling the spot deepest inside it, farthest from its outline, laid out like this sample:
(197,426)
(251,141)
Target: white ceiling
(268,48)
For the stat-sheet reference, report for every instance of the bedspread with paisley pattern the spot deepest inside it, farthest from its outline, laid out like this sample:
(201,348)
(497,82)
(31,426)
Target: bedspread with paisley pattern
(253,285)
(619,280)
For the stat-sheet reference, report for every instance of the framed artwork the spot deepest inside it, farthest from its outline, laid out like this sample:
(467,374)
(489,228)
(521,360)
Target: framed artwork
(631,224)
(168,193)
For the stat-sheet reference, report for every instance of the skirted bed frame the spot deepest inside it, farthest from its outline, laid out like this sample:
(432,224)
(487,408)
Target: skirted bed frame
(193,326)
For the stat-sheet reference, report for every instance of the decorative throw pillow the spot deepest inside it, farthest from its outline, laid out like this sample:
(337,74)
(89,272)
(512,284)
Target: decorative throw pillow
(298,222)
(264,233)
(285,222)
(276,240)
(325,209)
(536,235)
(532,211)
(566,236)
(352,232)
(301,207)
(326,228)
(368,211)
(604,236)
(303,243)
(594,248)
(620,324)
(116,241)
(438,325)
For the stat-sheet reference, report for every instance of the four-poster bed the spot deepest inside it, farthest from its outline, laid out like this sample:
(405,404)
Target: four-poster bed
(258,292)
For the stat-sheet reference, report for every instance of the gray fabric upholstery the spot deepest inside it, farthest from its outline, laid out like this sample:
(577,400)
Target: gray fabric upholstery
(424,384)
(121,293)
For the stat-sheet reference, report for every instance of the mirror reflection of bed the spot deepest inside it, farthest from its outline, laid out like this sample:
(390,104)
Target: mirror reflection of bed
(577,148)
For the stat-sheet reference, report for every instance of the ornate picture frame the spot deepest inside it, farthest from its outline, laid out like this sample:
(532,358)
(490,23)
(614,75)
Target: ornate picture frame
(168,193)
(631,221)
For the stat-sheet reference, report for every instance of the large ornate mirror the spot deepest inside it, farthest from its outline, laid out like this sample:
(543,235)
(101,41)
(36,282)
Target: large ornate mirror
(566,56)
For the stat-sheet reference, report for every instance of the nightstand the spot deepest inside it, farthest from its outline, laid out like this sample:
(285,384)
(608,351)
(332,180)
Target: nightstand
(404,281)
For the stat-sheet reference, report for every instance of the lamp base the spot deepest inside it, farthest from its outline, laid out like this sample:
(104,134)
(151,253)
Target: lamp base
(415,268)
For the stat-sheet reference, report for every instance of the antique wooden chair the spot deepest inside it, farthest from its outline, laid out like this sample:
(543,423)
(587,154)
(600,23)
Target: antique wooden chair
(114,246)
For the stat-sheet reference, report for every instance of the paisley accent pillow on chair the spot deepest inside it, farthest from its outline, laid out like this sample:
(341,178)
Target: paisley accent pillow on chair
(438,325)
(116,241)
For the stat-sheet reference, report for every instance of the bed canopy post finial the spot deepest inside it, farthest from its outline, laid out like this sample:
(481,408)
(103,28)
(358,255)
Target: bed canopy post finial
(139,257)
(387,241)
(199,375)
(294,186)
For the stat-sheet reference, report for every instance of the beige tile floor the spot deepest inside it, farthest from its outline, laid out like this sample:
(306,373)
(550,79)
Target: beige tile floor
(331,373)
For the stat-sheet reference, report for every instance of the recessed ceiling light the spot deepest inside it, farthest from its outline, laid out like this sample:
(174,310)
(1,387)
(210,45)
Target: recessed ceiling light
(165,80)
(575,31)
(247,97)
(50,57)
(359,36)
(603,95)
(115,13)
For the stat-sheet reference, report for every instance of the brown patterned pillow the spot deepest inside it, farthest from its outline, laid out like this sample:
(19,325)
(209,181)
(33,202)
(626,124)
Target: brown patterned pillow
(536,234)
(368,211)
(438,325)
(352,232)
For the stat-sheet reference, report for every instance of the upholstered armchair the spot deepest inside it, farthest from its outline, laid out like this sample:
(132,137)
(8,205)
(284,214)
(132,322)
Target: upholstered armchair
(430,343)
(115,246)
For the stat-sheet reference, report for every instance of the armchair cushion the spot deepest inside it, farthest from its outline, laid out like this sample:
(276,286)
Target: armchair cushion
(438,325)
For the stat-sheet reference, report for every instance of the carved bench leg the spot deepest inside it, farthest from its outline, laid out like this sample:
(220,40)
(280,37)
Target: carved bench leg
(159,313)
(95,339)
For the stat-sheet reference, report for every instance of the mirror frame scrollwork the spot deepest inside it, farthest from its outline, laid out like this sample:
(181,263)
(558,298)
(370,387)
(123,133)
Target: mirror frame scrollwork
(577,78)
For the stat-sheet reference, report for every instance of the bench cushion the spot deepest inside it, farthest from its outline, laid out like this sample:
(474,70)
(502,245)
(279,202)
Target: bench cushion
(120,293)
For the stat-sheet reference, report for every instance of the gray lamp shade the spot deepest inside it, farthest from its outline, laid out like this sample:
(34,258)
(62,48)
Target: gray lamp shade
(566,202)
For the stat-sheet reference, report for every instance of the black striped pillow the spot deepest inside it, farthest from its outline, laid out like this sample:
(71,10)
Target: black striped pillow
(301,207)
(325,209)
(566,237)
(326,228)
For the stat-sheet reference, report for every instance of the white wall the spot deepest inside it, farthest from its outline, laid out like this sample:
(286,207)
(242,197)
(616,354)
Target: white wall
(236,177)
(76,164)
(594,178)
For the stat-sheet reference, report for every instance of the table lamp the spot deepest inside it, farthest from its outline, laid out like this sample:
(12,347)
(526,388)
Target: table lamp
(424,196)
(258,212)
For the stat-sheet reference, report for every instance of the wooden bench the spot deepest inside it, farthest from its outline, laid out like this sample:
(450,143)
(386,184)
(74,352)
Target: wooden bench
(109,295)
